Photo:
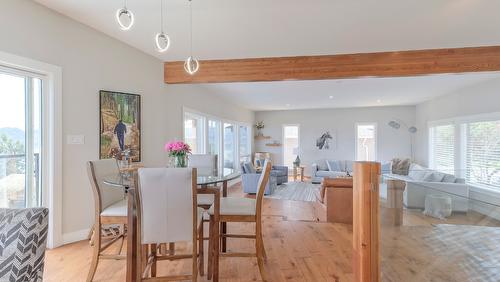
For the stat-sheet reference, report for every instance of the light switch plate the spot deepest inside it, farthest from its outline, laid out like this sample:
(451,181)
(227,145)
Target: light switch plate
(75,139)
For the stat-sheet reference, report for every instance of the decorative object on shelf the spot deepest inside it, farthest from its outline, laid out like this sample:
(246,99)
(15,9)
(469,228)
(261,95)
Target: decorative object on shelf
(120,125)
(191,65)
(296,163)
(259,126)
(262,137)
(178,150)
(323,142)
(162,39)
(396,124)
(125,17)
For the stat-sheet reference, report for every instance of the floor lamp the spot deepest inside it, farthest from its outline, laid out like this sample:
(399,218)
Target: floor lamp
(396,124)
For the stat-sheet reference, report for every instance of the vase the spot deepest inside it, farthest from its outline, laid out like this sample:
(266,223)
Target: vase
(296,163)
(181,161)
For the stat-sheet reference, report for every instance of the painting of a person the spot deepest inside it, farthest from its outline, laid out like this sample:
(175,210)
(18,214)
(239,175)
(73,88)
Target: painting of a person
(120,130)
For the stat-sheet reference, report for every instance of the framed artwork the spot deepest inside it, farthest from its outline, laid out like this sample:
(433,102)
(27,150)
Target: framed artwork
(326,140)
(120,125)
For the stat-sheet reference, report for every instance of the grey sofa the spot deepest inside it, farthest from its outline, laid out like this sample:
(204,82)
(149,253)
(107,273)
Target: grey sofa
(330,168)
(22,243)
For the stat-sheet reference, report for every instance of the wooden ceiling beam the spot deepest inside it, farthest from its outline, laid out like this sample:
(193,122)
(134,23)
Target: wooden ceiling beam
(382,64)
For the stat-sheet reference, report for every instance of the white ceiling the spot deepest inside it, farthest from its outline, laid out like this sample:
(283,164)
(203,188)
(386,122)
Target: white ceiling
(363,92)
(225,29)
(264,28)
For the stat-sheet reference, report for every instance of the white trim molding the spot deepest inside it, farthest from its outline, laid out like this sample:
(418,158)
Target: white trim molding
(52,134)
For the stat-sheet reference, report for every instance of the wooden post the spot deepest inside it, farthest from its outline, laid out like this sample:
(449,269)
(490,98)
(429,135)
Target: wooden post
(392,211)
(366,226)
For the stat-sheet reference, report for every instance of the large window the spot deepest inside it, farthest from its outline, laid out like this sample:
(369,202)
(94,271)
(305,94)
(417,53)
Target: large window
(229,140)
(20,140)
(468,147)
(244,143)
(442,148)
(482,158)
(290,144)
(366,141)
(194,132)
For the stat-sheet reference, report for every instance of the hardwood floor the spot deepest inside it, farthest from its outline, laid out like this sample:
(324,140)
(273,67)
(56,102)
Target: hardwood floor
(298,249)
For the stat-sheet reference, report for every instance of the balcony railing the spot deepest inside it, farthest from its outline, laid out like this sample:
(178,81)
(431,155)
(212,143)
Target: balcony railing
(13,190)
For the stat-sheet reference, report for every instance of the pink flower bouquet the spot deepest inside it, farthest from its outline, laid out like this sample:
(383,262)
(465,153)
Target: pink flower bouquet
(179,150)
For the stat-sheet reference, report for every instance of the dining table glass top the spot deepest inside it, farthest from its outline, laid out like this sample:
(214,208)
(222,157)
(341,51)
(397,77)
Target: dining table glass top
(126,180)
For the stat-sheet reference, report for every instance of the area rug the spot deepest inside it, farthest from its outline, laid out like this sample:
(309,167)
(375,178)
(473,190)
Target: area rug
(296,191)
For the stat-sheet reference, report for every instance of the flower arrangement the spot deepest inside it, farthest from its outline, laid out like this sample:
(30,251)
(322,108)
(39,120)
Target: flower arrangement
(259,125)
(179,150)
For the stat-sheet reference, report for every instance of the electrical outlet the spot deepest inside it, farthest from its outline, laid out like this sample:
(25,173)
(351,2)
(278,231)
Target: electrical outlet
(75,139)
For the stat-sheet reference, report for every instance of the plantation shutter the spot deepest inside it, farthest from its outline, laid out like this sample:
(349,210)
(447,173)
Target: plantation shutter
(443,148)
(483,153)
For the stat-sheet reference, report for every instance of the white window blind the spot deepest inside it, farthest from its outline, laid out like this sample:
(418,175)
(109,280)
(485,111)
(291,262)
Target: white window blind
(442,149)
(483,153)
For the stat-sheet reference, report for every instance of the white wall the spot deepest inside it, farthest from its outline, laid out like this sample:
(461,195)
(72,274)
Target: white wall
(472,100)
(92,61)
(391,143)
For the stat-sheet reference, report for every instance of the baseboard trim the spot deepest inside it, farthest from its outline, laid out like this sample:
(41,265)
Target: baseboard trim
(75,236)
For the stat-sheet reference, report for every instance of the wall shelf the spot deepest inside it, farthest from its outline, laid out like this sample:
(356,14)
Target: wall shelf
(273,144)
(261,137)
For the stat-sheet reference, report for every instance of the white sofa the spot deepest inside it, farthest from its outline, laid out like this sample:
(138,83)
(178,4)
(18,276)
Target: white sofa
(422,181)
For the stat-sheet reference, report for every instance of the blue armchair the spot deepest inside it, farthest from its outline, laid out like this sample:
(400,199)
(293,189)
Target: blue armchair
(250,179)
(281,172)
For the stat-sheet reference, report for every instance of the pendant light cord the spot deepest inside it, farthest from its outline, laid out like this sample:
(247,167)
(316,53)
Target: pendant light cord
(161,13)
(125,4)
(191,27)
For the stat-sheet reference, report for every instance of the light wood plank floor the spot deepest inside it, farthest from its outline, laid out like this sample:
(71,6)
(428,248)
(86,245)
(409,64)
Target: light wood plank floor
(298,248)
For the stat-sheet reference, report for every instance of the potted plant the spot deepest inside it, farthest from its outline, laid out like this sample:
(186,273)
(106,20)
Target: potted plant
(179,151)
(259,126)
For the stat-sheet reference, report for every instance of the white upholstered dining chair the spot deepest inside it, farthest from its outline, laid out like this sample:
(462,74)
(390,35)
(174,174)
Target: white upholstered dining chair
(110,209)
(206,165)
(168,212)
(234,209)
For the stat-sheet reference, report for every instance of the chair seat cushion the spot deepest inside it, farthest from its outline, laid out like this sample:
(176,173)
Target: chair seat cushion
(205,199)
(235,206)
(117,209)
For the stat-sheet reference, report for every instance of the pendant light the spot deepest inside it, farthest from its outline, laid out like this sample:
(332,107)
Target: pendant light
(162,39)
(191,64)
(125,14)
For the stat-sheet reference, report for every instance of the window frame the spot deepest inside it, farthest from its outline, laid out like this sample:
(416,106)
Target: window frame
(283,138)
(356,125)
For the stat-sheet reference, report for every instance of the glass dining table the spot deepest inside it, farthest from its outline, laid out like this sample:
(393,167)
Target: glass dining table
(126,181)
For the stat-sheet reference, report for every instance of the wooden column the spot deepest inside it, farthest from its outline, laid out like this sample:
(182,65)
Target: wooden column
(392,212)
(366,226)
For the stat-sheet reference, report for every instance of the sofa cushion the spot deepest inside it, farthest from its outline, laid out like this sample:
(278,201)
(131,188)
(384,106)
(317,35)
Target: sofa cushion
(400,166)
(249,167)
(322,165)
(449,178)
(433,176)
(417,172)
(334,165)
(333,174)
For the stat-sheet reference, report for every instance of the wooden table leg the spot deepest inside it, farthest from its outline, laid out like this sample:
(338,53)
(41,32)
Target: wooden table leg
(224,225)
(131,237)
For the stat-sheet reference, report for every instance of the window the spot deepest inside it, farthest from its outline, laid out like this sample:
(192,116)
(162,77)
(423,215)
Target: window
(229,145)
(20,140)
(244,143)
(194,132)
(213,146)
(290,144)
(442,148)
(366,142)
(482,156)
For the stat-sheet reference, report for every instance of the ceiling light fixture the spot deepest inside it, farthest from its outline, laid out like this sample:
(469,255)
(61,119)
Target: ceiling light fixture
(162,39)
(331,97)
(191,65)
(125,17)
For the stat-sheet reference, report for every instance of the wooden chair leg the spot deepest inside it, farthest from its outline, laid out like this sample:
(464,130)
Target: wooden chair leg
(216,251)
(210,247)
(153,264)
(171,248)
(91,235)
(201,258)
(259,247)
(264,254)
(95,253)
(223,238)
(144,254)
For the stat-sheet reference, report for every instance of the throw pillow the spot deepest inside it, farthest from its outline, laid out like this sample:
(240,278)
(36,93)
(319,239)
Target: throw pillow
(249,168)
(449,178)
(333,165)
(400,167)
(433,176)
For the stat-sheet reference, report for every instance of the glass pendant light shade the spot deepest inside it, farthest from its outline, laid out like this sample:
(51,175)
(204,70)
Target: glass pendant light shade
(162,41)
(191,65)
(125,18)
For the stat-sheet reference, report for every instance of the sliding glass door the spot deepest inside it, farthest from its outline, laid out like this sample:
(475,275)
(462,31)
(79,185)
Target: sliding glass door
(20,139)
(229,145)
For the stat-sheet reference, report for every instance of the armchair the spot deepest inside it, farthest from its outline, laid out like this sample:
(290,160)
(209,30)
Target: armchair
(250,179)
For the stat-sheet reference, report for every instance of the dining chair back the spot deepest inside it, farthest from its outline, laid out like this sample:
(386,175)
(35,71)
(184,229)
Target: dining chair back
(167,199)
(168,212)
(104,194)
(261,186)
(206,164)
